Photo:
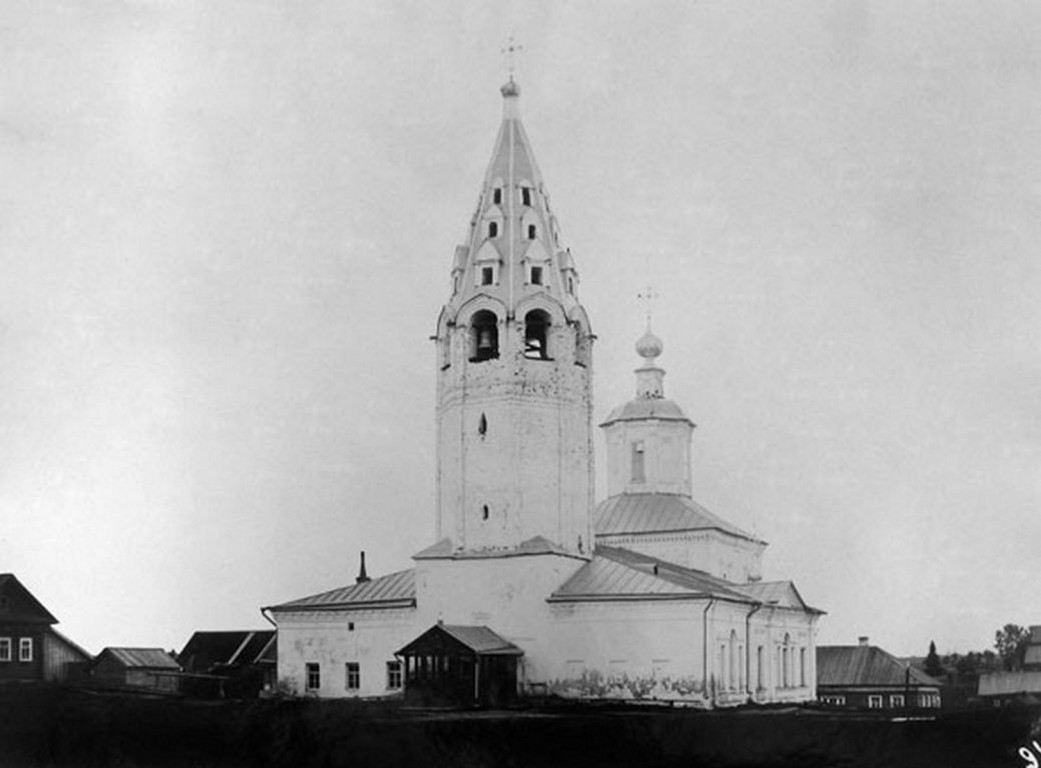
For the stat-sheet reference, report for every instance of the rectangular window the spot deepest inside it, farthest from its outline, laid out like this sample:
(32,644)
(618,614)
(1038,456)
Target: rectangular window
(638,475)
(487,274)
(759,682)
(874,702)
(536,275)
(353,676)
(25,649)
(314,677)
(5,649)
(834,701)
(896,701)
(497,196)
(394,675)
(802,667)
(525,195)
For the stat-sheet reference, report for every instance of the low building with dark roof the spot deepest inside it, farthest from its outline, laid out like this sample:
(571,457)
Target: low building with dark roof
(144,669)
(31,649)
(865,676)
(238,664)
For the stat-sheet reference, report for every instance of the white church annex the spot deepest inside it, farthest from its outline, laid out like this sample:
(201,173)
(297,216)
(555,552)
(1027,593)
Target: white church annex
(530,587)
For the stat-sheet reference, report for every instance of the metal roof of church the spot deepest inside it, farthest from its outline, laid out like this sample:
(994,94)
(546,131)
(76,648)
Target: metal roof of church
(646,408)
(395,590)
(621,574)
(537,545)
(477,638)
(658,512)
(864,665)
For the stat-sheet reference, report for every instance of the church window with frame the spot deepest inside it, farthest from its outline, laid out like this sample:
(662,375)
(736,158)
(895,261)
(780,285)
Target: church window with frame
(313,676)
(5,649)
(536,335)
(353,675)
(394,677)
(25,649)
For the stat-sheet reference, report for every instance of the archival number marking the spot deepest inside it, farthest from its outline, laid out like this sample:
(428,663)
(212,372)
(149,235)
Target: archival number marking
(1030,757)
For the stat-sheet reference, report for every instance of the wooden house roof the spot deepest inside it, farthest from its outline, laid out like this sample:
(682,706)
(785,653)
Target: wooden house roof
(865,665)
(18,605)
(139,658)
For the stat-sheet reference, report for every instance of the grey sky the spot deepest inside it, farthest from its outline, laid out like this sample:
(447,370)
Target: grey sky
(226,230)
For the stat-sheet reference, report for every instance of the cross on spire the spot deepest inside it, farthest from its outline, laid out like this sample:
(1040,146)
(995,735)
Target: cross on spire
(509,53)
(647,296)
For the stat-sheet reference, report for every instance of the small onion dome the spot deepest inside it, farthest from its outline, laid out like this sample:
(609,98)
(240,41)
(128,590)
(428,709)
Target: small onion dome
(649,346)
(510,89)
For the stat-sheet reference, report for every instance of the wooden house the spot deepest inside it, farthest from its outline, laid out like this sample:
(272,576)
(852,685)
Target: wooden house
(864,676)
(30,648)
(151,669)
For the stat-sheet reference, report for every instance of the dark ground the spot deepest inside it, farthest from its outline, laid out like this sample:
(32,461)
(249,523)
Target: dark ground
(52,726)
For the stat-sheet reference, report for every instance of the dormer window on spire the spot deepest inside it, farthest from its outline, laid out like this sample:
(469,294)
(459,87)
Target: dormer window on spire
(526,196)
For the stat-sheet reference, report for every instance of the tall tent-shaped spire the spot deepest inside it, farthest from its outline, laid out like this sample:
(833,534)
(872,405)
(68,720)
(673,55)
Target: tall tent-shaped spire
(514,368)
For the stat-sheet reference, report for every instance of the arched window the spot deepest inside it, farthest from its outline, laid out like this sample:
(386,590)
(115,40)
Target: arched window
(484,336)
(493,229)
(482,426)
(536,335)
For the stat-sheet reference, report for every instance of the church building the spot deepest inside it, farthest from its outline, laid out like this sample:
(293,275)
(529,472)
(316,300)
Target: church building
(531,588)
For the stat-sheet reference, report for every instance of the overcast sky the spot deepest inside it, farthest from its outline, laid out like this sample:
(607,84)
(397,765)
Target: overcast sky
(226,231)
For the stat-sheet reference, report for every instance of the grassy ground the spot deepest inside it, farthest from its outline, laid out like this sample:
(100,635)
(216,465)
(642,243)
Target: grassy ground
(49,726)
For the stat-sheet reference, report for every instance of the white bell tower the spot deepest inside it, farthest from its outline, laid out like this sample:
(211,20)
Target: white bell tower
(514,395)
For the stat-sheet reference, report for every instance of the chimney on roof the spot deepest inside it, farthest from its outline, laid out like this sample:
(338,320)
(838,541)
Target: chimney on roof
(362,576)
(863,640)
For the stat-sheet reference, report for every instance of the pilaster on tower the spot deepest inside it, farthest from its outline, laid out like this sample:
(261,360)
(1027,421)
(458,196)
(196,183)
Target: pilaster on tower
(514,413)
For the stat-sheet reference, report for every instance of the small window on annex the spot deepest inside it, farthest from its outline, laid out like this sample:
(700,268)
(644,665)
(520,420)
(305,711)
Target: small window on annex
(314,677)
(536,335)
(394,675)
(484,335)
(353,674)
(638,471)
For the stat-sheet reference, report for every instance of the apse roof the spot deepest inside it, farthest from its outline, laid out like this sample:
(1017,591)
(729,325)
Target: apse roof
(395,590)
(658,512)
